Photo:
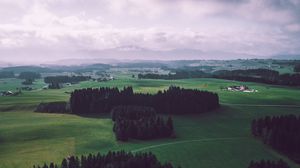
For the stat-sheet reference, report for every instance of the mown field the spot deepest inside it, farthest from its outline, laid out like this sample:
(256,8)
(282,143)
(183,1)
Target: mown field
(212,140)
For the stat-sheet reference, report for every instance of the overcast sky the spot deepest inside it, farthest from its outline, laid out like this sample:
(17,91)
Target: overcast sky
(45,30)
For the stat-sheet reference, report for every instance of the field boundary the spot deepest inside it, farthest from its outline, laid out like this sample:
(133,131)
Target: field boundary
(262,105)
(187,141)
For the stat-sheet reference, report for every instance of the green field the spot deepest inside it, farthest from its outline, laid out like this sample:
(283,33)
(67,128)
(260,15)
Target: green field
(212,140)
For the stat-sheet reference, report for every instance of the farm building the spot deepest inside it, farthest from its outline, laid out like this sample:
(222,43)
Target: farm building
(242,88)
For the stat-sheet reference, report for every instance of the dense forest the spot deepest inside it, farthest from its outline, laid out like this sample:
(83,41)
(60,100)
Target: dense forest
(7,74)
(250,75)
(174,100)
(139,122)
(119,159)
(132,112)
(268,164)
(280,132)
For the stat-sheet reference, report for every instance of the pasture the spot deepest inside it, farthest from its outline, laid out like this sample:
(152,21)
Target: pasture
(218,139)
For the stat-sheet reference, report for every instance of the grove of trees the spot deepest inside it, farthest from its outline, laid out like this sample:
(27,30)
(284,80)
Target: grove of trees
(119,159)
(268,164)
(280,132)
(174,100)
(140,122)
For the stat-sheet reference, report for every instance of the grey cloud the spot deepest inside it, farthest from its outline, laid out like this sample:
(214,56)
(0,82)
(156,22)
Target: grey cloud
(248,27)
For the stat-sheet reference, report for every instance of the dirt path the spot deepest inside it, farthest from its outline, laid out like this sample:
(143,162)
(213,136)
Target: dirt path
(188,141)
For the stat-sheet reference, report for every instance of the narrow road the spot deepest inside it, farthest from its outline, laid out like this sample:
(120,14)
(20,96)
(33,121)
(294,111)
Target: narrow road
(188,141)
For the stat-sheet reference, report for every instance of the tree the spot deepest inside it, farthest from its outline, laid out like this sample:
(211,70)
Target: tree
(64,163)
(297,68)
(45,166)
(27,82)
(170,124)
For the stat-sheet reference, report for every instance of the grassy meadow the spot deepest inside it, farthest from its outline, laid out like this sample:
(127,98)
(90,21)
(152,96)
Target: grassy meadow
(212,140)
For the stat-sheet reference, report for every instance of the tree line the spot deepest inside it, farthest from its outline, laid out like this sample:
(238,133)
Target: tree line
(259,76)
(119,159)
(174,100)
(179,74)
(7,74)
(280,132)
(65,79)
(29,77)
(53,107)
(140,122)
(55,82)
(249,75)
(268,164)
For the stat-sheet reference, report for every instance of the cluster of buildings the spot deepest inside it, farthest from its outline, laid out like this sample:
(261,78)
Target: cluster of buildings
(6,93)
(103,79)
(241,88)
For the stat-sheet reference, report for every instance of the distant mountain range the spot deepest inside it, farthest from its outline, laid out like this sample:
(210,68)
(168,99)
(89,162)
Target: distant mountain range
(115,55)
(5,64)
(139,53)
